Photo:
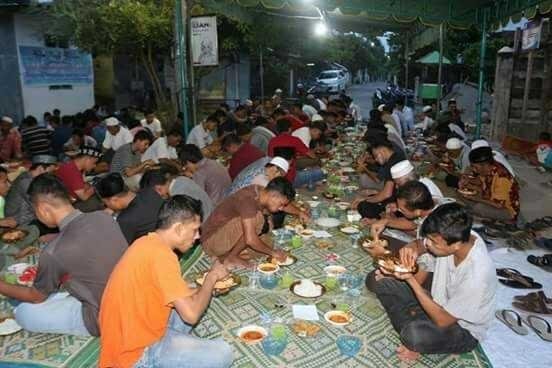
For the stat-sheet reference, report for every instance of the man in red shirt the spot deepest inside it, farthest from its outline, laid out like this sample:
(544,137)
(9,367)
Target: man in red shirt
(297,111)
(243,154)
(72,173)
(295,122)
(285,139)
(10,140)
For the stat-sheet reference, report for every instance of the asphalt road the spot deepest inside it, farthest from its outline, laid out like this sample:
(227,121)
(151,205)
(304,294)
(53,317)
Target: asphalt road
(362,96)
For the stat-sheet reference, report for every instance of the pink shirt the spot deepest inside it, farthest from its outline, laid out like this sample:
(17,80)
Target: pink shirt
(10,145)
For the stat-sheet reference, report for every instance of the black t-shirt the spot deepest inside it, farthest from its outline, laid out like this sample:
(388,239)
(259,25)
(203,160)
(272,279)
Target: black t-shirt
(140,217)
(385,172)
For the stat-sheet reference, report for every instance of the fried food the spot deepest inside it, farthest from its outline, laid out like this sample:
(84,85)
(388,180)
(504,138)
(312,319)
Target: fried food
(305,329)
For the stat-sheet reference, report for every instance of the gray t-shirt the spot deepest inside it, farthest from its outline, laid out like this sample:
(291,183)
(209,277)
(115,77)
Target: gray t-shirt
(18,202)
(186,186)
(81,259)
(124,157)
(467,291)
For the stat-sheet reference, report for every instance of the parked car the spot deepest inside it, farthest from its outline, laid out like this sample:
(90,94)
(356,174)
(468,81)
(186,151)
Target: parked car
(333,81)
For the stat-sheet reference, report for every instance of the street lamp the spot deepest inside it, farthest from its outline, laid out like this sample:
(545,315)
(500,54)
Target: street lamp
(320,29)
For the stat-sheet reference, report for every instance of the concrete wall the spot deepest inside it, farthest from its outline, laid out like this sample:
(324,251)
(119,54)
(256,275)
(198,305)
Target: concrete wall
(39,99)
(10,88)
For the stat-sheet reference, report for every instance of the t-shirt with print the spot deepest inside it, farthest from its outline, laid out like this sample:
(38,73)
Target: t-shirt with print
(138,301)
(467,291)
(244,203)
(80,259)
(71,177)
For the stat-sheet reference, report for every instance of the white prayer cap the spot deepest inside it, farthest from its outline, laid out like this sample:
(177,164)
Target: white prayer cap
(454,144)
(317,117)
(381,107)
(479,143)
(427,108)
(278,90)
(248,103)
(7,119)
(401,169)
(281,163)
(111,122)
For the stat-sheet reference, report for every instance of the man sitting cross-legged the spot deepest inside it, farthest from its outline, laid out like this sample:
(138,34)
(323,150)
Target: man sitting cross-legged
(459,310)
(241,218)
(79,260)
(148,310)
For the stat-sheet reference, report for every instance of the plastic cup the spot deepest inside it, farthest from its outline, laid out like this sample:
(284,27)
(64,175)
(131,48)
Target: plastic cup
(348,345)
(296,241)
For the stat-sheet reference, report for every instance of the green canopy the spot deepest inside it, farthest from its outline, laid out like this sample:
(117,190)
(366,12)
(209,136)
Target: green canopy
(432,58)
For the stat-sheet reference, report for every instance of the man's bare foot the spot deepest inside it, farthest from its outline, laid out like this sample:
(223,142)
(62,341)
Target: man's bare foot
(407,355)
(234,262)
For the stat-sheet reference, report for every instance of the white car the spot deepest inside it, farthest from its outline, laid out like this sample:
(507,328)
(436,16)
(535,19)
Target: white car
(332,80)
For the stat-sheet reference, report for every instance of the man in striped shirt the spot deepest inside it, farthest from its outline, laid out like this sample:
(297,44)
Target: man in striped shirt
(36,140)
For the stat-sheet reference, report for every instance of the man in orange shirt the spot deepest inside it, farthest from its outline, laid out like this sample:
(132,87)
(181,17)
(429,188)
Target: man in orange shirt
(148,310)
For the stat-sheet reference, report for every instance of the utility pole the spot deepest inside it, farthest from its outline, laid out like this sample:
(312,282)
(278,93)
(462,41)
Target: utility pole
(181,20)
(482,52)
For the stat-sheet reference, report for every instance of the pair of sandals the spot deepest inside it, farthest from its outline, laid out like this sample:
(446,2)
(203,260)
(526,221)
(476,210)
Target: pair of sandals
(515,279)
(518,324)
(535,302)
(539,224)
(544,262)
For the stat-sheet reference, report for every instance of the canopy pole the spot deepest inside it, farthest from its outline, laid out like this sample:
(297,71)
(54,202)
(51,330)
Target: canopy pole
(261,72)
(181,61)
(440,73)
(482,52)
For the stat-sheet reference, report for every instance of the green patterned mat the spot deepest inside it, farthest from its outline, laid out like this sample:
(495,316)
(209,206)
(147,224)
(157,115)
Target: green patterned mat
(25,349)
(244,306)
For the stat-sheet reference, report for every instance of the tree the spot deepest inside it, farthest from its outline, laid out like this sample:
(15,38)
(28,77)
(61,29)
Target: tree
(142,30)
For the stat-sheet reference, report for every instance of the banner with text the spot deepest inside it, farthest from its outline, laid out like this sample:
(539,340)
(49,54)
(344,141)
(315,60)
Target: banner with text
(204,40)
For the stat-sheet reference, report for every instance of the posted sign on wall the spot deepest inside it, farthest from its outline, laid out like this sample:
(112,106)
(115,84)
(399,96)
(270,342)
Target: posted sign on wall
(204,41)
(531,36)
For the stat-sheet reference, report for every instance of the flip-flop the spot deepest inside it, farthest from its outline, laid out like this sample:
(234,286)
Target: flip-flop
(544,261)
(513,274)
(541,328)
(533,296)
(537,305)
(513,320)
(518,284)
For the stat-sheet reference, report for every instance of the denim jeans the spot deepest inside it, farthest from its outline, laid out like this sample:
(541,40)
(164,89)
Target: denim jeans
(417,331)
(312,174)
(179,349)
(60,313)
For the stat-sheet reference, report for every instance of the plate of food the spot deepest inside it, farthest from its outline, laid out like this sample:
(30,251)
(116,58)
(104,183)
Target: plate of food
(350,230)
(368,242)
(334,270)
(27,277)
(328,222)
(252,334)
(348,170)
(324,244)
(305,328)
(338,318)
(306,233)
(268,268)
(13,236)
(8,326)
(391,263)
(221,286)
(467,192)
(307,289)
(288,262)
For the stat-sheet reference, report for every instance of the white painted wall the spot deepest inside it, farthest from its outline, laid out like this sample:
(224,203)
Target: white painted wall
(39,99)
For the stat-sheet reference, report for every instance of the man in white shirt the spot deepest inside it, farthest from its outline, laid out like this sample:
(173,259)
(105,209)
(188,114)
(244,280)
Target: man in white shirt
(309,133)
(389,119)
(427,122)
(201,134)
(309,110)
(152,123)
(407,116)
(164,148)
(498,156)
(116,135)
(455,317)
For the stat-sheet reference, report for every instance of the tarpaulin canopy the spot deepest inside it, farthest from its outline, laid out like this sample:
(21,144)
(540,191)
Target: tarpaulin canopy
(432,58)
(454,13)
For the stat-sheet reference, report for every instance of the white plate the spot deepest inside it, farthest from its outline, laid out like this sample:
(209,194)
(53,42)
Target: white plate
(348,169)
(307,233)
(343,205)
(350,230)
(18,268)
(335,270)
(328,222)
(321,292)
(330,313)
(252,328)
(9,326)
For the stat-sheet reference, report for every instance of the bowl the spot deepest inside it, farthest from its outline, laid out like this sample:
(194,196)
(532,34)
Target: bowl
(348,345)
(269,281)
(268,268)
(252,334)
(337,318)
(274,346)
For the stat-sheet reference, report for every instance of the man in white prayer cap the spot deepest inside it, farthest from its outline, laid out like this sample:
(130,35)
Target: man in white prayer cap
(498,156)
(427,121)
